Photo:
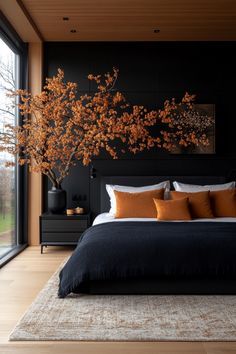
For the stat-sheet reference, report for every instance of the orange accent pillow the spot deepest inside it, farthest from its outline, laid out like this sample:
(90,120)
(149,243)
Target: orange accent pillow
(137,205)
(224,203)
(173,209)
(199,203)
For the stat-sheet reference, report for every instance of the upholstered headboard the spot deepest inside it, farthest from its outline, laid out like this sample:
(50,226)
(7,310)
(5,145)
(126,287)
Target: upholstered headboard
(137,181)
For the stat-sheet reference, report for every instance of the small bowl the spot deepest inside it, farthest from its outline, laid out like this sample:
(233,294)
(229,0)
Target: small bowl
(78,210)
(69,211)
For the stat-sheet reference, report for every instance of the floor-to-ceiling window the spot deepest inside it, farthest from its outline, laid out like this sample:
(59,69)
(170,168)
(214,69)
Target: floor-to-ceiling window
(13,179)
(9,78)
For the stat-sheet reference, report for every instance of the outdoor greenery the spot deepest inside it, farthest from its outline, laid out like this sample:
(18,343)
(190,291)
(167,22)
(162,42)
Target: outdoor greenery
(6,222)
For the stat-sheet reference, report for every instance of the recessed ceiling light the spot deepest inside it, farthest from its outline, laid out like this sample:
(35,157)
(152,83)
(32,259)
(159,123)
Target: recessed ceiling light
(65,18)
(73,30)
(156,30)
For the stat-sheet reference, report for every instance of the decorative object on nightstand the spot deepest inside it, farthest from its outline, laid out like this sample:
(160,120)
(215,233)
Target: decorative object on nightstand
(62,229)
(79,211)
(56,200)
(69,211)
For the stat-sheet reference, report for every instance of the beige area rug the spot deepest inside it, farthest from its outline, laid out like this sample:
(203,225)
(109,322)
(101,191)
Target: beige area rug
(126,318)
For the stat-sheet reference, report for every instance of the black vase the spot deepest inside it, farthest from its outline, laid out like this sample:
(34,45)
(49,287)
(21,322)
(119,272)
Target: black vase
(56,200)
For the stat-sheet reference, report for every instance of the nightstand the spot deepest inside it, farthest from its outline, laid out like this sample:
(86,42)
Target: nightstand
(61,229)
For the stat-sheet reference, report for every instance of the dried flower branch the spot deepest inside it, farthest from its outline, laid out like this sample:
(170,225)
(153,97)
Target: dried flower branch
(59,128)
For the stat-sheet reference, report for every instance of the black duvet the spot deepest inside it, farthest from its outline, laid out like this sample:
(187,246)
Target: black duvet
(143,250)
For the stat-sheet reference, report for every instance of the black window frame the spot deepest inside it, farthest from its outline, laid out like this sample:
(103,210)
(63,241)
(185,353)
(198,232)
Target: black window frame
(12,39)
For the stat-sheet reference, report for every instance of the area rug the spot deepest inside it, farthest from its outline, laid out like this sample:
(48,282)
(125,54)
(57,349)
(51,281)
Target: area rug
(126,318)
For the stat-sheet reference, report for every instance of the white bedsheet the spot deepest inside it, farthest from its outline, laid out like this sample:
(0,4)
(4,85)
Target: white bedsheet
(106,217)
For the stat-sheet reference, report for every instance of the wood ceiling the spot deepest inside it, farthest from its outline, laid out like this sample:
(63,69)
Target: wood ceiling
(133,20)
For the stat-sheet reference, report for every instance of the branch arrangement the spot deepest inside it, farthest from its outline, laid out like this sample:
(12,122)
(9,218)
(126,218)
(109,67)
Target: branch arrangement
(59,128)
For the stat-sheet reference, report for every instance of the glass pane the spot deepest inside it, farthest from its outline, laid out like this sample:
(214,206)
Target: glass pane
(8,200)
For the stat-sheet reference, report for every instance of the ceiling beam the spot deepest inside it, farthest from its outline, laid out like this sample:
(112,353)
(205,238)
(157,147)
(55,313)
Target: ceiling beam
(21,21)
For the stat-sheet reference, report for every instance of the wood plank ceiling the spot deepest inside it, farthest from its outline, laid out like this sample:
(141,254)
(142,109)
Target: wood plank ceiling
(134,20)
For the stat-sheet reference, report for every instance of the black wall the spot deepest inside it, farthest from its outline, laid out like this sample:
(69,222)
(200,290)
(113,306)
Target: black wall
(151,72)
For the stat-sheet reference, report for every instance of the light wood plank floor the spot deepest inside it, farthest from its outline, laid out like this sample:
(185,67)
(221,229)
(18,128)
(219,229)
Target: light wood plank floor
(21,280)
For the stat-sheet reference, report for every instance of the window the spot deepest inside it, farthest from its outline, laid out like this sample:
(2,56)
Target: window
(13,179)
(9,72)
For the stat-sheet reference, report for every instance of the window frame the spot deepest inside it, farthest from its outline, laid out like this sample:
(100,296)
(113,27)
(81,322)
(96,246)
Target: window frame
(12,39)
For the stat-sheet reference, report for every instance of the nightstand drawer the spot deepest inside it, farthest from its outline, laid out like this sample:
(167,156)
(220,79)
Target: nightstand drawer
(64,225)
(60,237)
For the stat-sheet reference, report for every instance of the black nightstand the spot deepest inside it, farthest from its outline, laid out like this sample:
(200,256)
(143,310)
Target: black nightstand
(62,230)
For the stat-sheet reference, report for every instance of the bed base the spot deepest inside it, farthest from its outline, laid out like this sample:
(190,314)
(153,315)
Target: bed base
(162,287)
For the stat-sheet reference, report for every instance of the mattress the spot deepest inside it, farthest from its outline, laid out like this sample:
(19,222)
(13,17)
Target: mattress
(106,217)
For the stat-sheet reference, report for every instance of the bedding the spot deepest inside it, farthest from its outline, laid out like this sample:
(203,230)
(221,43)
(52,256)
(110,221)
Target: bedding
(224,202)
(137,205)
(184,187)
(136,251)
(106,217)
(199,203)
(110,188)
(173,209)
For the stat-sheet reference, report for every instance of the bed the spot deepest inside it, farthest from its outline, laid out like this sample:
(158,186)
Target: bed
(146,256)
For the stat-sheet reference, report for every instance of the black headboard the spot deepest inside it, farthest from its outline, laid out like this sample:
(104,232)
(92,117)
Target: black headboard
(138,181)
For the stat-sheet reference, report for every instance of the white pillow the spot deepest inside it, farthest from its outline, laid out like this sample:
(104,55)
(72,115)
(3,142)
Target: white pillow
(111,187)
(182,187)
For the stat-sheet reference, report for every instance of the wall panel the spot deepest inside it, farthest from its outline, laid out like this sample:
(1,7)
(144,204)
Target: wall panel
(151,72)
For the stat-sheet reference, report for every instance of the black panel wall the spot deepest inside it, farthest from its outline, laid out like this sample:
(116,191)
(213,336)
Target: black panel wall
(151,72)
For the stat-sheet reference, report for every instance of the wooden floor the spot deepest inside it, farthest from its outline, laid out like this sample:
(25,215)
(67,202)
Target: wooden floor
(20,282)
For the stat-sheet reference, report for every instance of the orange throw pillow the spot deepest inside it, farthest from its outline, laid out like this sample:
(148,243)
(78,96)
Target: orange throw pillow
(137,205)
(224,203)
(173,209)
(199,203)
